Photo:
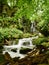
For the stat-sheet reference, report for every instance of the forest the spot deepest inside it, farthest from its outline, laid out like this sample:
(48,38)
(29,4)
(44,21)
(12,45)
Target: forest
(24,21)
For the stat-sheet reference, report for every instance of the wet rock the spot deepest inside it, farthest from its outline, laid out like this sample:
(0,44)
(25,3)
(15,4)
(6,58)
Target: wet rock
(25,51)
(14,50)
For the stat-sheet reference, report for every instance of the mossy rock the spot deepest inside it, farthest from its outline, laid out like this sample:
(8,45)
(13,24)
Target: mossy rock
(20,36)
(40,35)
(47,52)
(17,40)
(46,44)
(39,41)
(16,36)
(26,35)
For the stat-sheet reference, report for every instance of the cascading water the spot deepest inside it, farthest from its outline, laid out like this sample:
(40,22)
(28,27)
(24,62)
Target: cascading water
(33,29)
(19,46)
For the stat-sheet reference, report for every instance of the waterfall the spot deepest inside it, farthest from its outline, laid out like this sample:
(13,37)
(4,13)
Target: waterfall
(19,46)
(33,28)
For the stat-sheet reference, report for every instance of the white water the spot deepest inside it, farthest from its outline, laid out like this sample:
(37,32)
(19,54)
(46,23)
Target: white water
(33,28)
(19,46)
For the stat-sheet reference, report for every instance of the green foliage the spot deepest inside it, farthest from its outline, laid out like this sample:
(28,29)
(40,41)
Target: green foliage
(7,21)
(10,22)
(46,10)
(31,9)
(11,11)
(27,8)
(26,35)
(43,27)
(7,33)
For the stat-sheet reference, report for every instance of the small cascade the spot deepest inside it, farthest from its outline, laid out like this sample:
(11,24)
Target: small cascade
(19,46)
(33,27)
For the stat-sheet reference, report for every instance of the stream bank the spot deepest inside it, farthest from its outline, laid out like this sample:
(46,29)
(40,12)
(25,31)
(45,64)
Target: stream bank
(35,57)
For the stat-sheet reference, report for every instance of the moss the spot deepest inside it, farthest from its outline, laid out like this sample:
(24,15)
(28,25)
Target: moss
(17,40)
(26,35)
(39,41)
(46,44)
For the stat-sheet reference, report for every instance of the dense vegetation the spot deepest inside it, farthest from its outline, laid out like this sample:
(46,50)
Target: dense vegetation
(20,13)
(16,17)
